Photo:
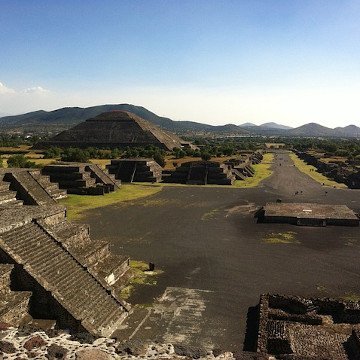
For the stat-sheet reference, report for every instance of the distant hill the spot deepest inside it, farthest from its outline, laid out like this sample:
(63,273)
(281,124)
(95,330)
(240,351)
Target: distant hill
(348,131)
(247,124)
(312,129)
(69,116)
(273,125)
(65,118)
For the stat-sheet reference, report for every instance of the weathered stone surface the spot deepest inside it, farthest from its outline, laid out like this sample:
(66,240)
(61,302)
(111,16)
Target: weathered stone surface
(7,347)
(56,352)
(4,326)
(83,338)
(34,342)
(132,347)
(92,354)
(192,352)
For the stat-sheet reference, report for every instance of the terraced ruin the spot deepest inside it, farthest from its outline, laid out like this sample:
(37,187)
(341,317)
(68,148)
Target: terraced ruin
(292,327)
(54,269)
(341,171)
(135,170)
(81,178)
(114,129)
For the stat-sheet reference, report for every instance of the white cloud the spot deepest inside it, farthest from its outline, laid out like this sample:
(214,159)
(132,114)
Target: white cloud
(5,90)
(35,90)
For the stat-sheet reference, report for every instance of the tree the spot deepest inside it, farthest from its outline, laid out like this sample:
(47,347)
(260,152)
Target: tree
(205,156)
(20,161)
(160,159)
(75,155)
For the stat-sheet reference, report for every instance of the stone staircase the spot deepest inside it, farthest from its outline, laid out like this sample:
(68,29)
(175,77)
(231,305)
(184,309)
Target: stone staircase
(52,189)
(80,178)
(135,170)
(103,177)
(7,196)
(108,268)
(13,304)
(57,271)
(202,173)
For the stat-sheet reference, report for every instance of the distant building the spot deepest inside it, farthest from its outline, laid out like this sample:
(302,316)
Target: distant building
(114,129)
(275,145)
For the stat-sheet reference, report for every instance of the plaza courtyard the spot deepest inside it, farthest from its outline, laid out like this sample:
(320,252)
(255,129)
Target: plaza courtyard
(215,260)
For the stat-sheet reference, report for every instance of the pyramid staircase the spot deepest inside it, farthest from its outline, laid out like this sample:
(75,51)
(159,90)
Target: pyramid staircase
(64,277)
(135,170)
(8,197)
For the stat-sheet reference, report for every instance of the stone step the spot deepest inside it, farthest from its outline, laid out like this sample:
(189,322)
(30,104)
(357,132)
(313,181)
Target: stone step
(6,196)
(4,186)
(55,269)
(14,307)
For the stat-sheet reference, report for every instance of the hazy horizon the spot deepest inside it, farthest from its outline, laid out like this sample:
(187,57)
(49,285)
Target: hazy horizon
(206,61)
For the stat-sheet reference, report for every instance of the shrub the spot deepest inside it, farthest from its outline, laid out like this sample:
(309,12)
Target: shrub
(20,161)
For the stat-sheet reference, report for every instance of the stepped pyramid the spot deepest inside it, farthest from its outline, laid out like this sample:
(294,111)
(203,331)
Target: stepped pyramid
(69,278)
(114,129)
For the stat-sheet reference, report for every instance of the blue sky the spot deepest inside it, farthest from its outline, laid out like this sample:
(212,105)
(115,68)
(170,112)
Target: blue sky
(290,61)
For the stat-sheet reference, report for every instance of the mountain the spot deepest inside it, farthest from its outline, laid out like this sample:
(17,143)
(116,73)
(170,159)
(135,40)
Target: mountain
(66,117)
(247,124)
(312,130)
(273,125)
(348,131)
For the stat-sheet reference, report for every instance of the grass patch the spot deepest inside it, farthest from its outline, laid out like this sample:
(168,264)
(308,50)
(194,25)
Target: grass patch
(281,238)
(351,297)
(313,173)
(141,277)
(262,171)
(77,204)
(210,215)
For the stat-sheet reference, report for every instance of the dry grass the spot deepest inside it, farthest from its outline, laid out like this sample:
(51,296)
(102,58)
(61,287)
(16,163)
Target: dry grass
(101,162)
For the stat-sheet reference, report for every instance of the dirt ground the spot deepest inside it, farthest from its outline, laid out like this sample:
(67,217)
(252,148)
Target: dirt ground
(207,240)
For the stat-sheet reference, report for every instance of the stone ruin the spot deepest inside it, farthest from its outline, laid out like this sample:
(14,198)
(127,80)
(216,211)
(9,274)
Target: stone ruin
(135,170)
(81,178)
(72,279)
(202,173)
(308,214)
(241,167)
(291,327)
(347,173)
(51,270)
(114,129)
(27,186)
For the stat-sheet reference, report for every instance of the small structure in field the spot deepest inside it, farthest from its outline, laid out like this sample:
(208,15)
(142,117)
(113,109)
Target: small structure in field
(135,170)
(308,214)
(202,173)
(291,327)
(81,178)
(275,145)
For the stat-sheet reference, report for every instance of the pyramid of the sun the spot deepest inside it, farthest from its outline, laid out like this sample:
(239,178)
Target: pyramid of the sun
(115,129)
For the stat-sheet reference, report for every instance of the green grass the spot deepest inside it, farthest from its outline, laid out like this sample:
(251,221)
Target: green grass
(281,238)
(351,297)
(262,171)
(77,204)
(140,277)
(313,173)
